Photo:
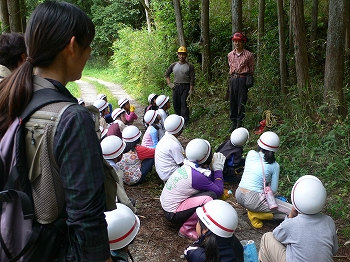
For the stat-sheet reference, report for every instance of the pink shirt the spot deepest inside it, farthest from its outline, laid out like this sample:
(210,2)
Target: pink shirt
(241,63)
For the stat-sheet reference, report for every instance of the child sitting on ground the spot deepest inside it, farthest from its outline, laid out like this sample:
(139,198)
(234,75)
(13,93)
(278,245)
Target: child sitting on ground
(108,116)
(117,127)
(123,226)
(151,105)
(163,104)
(215,228)
(130,116)
(232,149)
(102,107)
(151,136)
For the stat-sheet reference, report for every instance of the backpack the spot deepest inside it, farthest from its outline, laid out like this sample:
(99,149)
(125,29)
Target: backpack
(22,238)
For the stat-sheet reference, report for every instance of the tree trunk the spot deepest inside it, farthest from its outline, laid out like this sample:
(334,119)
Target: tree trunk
(4,16)
(149,28)
(179,24)
(334,67)
(15,15)
(236,17)
(300,52)
(282,43)
(313,30)
(347,24)
(205,38)
(290,35)
(260,28)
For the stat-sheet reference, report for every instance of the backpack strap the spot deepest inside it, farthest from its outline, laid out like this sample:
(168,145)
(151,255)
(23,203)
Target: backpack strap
(41,98)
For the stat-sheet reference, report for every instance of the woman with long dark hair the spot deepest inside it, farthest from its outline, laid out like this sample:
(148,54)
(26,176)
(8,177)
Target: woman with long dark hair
(58,38)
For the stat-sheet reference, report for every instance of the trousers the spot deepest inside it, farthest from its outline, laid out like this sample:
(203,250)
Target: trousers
(180,94)
(238,98)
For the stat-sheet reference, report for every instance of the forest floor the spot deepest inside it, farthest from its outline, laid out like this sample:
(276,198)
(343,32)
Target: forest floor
(157,239)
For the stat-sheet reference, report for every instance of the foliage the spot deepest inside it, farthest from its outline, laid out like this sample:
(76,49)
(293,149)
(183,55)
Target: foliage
(74,89)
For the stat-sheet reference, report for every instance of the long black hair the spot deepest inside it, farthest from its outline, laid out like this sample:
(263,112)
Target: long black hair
(209,243)
(12,47)
(269,156)
(49,30)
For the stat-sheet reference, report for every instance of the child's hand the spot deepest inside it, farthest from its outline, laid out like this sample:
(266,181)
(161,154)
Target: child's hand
(132,108)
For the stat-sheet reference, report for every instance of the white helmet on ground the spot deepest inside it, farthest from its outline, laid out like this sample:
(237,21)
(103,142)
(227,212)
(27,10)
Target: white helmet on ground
(100,104)
(122,226)
(269,141)
(117,112)
(122,101)
(112,147)
(308,195)
(173,124)
(239,136)
(150,117)
(219,217)
(162,100)
(101,96)
(131,133)
(198,150)
(151,97)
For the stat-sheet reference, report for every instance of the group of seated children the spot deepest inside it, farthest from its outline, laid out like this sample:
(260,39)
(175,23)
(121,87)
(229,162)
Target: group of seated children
(194,183)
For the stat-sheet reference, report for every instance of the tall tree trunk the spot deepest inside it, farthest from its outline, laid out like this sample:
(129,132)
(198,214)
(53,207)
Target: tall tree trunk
(236,16)
(260,28)
(347,24)
(15,15)
(313,30)
(179,24)
(205,38)
(300,52)
(282,43)
(149,28)
(4,16)
(334,67)
(290,35)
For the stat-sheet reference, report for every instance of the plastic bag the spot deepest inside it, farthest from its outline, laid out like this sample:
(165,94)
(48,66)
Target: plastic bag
(250,252)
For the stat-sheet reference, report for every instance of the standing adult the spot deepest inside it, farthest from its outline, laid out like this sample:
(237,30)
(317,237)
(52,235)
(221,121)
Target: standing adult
(241,63)
(184,76)
(58,38)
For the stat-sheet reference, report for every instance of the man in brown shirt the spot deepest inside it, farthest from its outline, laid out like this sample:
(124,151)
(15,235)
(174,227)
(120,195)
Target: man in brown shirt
(241,63)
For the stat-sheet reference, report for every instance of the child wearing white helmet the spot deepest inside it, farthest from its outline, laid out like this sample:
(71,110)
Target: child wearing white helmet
(233,151)
(117,127)
(123,226)
(108,116)
(217,242)
(151,136)
(112,150)
(250,194)
(169,154)
(306,234)
(130,116)
(192,185)
(102,106)
(81,101)
(163,104)
(138,160)
(151,105)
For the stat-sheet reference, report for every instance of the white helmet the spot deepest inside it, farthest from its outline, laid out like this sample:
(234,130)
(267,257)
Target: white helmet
(219,217)
(103,132)
(150,117)
(100,104)
(173,124)
(161,100)
(308,195)
(101,96)
(117,112)
(131,133)
(122,226)
(80,101)
(150,97)
(122,101)
(269,141)
(112,147)
(198,150)
(239,136)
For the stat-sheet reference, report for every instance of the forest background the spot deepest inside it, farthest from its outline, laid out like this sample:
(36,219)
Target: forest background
(301,76)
